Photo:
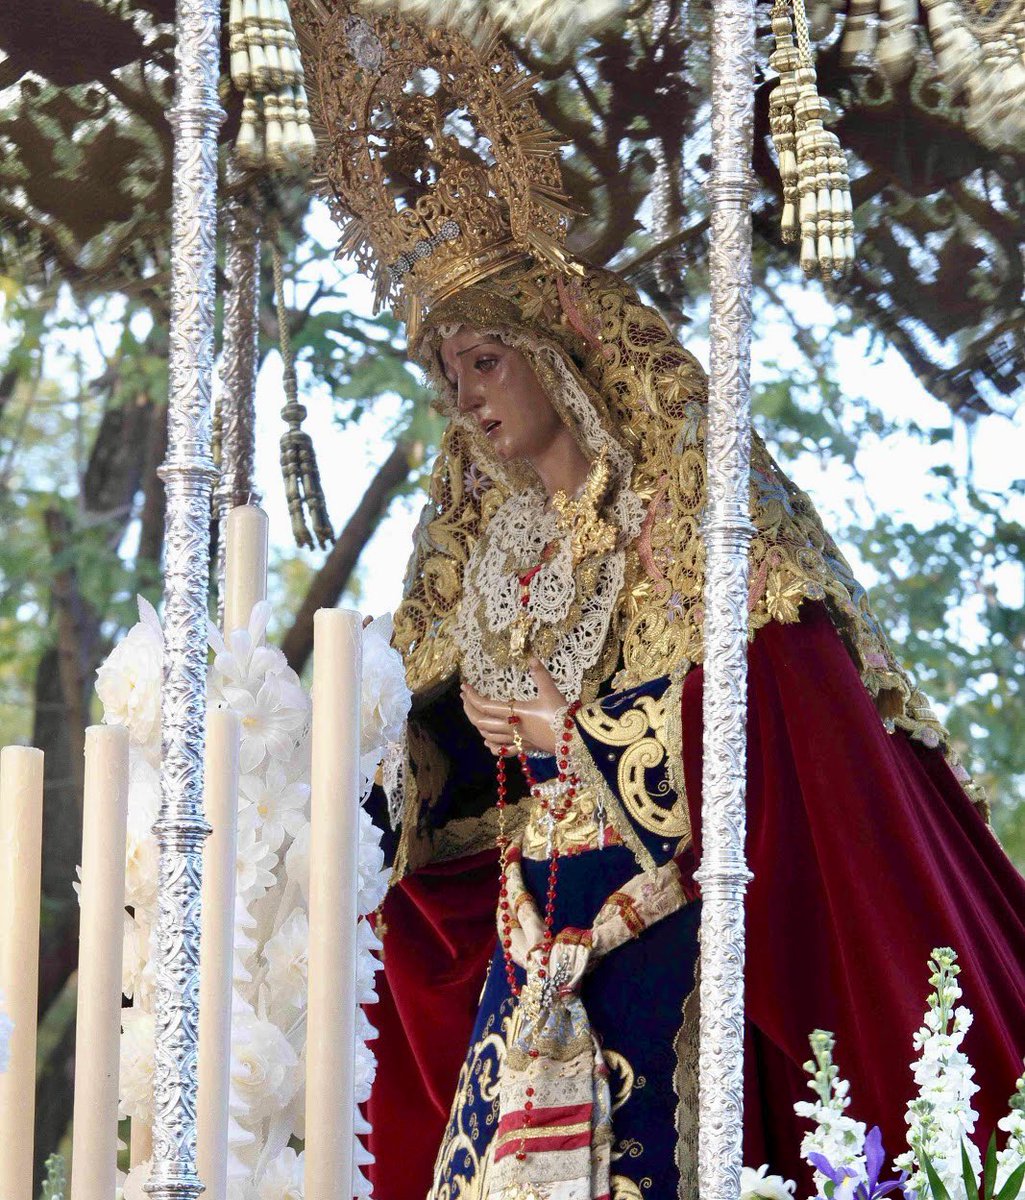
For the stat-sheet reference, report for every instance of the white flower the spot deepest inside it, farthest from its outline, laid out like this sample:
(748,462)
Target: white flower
(1013,1154)
(135,1182)
(838,1138)
(758,1185)
(385,697)
(128,682)
(373,878)
(134,954)
(280,805)
(245,944)
(297,861)
(286,956)
(264,1067)
(941,1119)
(142,854)
(283,1179)
(272,718)
(136,1086)
(6,1029)
(241,659)
(255,860)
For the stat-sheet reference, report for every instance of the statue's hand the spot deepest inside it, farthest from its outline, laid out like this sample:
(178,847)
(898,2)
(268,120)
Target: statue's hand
(491,717)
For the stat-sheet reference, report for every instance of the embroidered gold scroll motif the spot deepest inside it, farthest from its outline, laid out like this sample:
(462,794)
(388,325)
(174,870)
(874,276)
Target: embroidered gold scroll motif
(643,730)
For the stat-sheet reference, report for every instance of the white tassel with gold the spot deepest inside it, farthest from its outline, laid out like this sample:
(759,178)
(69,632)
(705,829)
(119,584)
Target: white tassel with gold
(817,206)
(266,68)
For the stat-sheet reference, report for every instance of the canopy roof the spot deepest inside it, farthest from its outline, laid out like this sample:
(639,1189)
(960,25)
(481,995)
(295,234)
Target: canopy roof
(85,165)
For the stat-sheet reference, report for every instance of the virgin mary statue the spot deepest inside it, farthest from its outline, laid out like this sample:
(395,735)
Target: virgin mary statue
(538,1014)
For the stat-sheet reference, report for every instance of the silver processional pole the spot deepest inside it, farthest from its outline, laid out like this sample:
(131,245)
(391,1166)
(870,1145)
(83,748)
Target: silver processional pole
(727,533)
(188,475)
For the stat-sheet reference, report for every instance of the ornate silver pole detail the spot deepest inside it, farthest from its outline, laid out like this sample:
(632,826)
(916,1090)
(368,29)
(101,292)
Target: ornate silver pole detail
(239,359)
(727,532)
(188,475)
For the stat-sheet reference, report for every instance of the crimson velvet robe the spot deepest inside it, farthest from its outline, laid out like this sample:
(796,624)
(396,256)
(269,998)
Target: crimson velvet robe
(866,854)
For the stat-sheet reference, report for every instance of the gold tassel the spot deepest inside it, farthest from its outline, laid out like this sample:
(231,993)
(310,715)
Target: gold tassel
(303,489)
(817,206)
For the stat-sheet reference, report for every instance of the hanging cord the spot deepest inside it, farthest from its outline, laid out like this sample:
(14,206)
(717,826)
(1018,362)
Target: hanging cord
(303,488)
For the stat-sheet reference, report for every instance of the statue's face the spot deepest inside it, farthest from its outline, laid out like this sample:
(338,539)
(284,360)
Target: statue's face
(496,386)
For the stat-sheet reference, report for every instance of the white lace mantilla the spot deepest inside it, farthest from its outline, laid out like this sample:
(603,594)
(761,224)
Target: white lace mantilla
(514,542)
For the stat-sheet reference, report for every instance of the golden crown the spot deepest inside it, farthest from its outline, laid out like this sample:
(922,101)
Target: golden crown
(432,154)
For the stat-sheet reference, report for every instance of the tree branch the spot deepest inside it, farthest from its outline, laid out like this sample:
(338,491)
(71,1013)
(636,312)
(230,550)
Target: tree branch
(331,579)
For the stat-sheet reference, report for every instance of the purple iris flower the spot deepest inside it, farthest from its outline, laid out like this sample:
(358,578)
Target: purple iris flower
(870,1189)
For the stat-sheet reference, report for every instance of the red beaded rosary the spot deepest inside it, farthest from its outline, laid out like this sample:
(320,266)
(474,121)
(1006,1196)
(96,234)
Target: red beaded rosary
(549,807)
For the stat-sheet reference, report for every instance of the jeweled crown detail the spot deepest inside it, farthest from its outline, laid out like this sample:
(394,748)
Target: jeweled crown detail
(433,155)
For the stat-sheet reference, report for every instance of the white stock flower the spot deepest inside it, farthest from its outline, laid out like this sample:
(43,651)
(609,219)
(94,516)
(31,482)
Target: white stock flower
(280,804)
(286,957)
(940,1120)
(136,1080)
(386,697)
(128,682)
(6,1029)
(255,860)
(759,1185)
(283,1179)
(1013,1154)
(272,718)
(264,1067)
(838,1138)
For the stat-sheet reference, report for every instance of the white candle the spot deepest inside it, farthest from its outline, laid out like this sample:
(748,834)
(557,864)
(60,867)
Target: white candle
(245,564)
(98,1027)
(216,948)
(330,1096)
(21,827)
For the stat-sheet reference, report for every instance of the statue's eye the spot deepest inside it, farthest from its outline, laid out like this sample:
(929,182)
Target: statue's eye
(485,362)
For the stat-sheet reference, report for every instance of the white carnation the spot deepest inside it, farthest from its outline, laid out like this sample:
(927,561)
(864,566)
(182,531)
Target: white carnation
(373,878)
(264,1067)
(759,1185)
(142,853)
(128,682)
(286,957)
(283,1179)
(136,1086)
(134,954)
(386,697)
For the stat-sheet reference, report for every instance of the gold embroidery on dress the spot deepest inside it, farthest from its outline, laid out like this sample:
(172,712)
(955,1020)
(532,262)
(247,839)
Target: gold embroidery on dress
(478,1080)
(633,729)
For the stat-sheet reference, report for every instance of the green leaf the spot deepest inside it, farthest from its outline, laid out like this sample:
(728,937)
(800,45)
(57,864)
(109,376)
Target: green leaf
(967,1174)
(989,1171)
(1013,1185)
(936,1184)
